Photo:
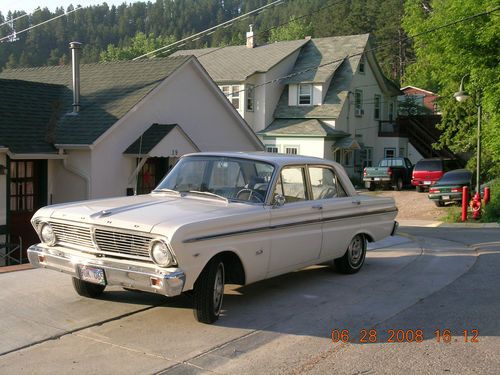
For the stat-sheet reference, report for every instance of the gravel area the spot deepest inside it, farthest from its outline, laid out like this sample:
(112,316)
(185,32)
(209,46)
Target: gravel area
(413,205)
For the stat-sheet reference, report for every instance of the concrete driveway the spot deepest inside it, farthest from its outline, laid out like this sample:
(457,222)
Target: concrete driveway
(425,279)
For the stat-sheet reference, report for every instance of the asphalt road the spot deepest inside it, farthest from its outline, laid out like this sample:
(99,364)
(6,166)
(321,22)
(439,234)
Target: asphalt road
(424,280)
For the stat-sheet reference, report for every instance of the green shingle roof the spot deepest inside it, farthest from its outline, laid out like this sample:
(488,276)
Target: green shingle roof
(28,115)
(236,63)
(319,59)
(303,128)
(108,92)
(150,138)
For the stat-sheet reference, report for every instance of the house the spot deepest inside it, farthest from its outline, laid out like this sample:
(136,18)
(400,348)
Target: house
(324,97)
(417,101)
(117,128)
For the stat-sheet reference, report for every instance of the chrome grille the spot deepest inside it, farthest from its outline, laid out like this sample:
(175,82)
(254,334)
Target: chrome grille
(73,235)
(125,244)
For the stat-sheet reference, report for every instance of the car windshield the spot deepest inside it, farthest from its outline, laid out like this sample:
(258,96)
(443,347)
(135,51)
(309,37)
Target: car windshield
(232,178)
(429,165)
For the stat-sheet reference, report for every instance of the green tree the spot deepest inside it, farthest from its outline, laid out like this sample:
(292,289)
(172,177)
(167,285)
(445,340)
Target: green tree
(139,45)
(444,57)
(293,30)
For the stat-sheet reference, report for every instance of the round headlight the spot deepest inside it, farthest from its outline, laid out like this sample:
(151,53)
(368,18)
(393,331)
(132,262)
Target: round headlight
(47,234)
(161,254)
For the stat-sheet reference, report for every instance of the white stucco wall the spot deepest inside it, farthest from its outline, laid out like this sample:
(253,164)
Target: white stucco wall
(3,191)
(185,98)
(66,184)
(396,143)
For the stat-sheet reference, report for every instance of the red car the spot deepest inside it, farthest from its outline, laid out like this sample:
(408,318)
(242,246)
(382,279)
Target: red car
(428,171)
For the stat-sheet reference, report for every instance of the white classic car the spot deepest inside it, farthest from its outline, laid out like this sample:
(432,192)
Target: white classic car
(216,218)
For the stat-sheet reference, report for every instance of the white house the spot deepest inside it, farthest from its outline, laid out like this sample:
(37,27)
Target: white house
(126,129)
(323,97)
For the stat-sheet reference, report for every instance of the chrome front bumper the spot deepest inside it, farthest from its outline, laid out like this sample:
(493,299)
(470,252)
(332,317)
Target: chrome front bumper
(168,281)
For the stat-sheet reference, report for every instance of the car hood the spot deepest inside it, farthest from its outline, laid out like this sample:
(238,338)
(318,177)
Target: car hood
(143,212)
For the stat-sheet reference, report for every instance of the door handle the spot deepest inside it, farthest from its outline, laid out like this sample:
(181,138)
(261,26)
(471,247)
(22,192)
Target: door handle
(317,207)
(356,203)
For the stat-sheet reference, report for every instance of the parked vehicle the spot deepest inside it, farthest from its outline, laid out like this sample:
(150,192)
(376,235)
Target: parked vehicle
(391,172)
(449,187)
(428,171)
(216,218)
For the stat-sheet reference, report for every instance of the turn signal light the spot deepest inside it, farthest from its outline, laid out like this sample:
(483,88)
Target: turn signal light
(433,191)
(156,282)
(456,190)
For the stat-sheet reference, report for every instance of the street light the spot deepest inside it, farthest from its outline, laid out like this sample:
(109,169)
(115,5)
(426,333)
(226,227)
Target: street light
(461,95)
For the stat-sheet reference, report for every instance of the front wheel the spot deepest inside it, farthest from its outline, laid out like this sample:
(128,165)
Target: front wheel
(86,289)
(354,257)
(209,291)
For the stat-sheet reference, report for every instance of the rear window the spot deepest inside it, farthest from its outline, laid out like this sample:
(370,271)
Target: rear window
(429,165)
(456,178)
(391,163)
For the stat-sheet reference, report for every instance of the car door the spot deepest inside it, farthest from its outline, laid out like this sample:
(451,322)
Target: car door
(340,212)
(296,232)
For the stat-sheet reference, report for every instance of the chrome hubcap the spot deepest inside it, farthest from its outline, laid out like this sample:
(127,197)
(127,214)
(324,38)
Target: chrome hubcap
(218,288)
(355,250)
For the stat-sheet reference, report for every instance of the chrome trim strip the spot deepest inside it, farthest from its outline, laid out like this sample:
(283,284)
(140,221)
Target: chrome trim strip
(288,225)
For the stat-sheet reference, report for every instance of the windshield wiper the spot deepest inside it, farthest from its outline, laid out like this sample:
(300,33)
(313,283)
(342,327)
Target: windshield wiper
(207,193)
(165,190)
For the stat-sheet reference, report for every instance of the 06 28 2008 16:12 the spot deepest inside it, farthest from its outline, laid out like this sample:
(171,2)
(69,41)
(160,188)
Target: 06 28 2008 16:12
(445,336)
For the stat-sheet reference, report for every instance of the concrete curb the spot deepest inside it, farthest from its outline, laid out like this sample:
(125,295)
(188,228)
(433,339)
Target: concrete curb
(440,224)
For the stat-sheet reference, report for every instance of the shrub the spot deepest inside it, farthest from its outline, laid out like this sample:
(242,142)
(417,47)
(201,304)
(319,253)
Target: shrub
(491,212)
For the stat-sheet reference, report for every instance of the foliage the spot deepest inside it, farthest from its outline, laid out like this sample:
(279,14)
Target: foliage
(140,44)
(124,26)
(295,29)
(444,57)
(491,212)
(453,214)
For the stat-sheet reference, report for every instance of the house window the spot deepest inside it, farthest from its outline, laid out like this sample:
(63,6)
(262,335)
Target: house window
(358,103)
(233,94)
(250,97)
(362,65)
(391,111)
(22,189)
(367,156)
(305,94)
(376,110)
(389,152)
(271,148)
(292,150)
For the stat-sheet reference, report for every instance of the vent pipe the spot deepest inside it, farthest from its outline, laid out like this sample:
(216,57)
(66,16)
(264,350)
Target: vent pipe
(75,48)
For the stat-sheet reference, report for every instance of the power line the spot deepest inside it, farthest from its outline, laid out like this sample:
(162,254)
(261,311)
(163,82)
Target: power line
(21,16)
(208,31)
(15,33)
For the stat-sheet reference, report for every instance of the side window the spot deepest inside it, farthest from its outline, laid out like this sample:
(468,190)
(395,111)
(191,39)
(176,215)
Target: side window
(291,184)
(325,183)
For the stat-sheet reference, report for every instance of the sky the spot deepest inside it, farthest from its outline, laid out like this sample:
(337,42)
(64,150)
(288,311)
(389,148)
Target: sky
(30,5)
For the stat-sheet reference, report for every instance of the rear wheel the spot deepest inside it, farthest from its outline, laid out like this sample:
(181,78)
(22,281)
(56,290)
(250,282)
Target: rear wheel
(86,289)
(354,257)
(209,291)
(439,203)
(399,184)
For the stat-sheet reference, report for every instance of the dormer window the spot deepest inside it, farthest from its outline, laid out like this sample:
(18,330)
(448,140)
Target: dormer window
(362,65)
(305,94)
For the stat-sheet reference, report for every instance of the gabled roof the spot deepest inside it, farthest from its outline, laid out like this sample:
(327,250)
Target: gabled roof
(302,128)
(319,59)
(28,117)
(237,63)
(149,139)
(108,92)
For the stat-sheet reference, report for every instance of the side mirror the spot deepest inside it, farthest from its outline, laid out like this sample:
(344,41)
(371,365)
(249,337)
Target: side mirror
(279,201)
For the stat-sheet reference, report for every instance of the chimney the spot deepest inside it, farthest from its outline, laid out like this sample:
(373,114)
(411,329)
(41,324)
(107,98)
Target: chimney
(251,38)
(75,48)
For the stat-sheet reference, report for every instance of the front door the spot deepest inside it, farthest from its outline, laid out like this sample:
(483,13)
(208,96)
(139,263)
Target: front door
(27,192)
(297,234)
(151,173)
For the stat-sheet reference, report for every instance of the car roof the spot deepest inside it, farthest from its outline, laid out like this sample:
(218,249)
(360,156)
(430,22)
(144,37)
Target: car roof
(270,157)
(457,171)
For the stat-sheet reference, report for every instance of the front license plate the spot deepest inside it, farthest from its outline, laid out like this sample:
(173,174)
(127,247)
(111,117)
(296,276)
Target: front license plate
(446,197)
(92,274)
(427,182)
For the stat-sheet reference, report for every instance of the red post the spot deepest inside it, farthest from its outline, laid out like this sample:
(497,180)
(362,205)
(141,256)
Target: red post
(465,203)
(486,195)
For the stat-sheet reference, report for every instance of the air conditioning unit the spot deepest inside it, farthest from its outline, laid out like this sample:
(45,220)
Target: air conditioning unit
(359,112)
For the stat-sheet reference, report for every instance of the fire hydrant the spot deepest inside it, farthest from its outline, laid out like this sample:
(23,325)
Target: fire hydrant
(475,204)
